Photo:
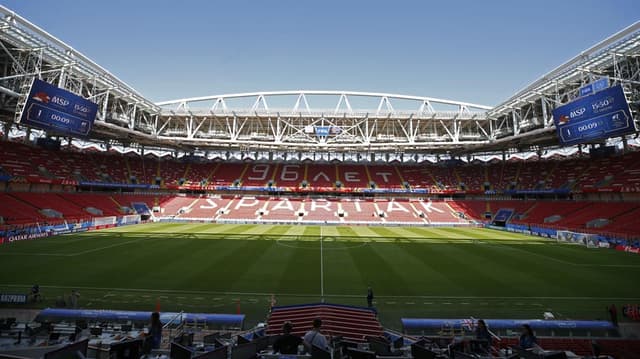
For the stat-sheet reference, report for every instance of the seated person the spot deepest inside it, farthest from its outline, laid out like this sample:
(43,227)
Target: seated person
(287,343)
(527,338)
(483,335)
(155,331)
(315,337)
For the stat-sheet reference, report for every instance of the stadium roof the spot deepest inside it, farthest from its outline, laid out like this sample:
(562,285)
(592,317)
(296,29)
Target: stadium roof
(305,120)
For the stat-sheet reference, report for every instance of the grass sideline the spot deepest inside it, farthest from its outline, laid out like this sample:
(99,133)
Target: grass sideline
(414,271)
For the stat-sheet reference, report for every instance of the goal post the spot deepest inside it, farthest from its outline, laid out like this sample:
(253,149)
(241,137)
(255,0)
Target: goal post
(589,240)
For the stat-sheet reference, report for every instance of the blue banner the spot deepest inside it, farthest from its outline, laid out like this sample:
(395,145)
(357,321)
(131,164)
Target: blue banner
(558,191)
(594,87)
(599,116)
(54,109)
(6,298)
(118,185)
(416,324)
(322,130)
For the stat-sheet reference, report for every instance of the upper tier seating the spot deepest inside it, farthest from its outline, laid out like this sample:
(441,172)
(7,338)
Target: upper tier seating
(473,177)
(417,177)
(386,176)
(617,173)
(321,176)
(229,175)
(354,176)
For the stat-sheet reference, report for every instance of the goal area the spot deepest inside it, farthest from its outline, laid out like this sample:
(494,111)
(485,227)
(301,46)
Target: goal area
(589,240)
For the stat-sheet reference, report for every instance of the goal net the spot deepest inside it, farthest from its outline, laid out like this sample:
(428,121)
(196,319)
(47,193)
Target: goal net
(586,239)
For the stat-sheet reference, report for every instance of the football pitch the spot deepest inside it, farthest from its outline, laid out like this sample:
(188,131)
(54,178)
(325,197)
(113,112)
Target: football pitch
(414,271)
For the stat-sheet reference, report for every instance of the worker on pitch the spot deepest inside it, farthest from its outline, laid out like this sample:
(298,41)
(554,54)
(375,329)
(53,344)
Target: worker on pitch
(369,297)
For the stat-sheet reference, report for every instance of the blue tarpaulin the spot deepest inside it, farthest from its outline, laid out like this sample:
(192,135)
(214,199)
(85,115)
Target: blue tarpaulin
(416,324)
(221,320)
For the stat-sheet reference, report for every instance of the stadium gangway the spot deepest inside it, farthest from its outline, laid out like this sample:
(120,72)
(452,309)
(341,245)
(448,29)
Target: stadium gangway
(179,327)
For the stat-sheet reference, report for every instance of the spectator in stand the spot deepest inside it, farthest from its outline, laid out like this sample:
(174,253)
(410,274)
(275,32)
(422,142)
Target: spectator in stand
(483,335)
(315,337)
(370,297)
(287,343)
(527,338)
(155,331)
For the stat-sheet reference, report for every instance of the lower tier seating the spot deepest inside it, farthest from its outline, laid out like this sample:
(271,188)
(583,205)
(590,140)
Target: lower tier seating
(352,323)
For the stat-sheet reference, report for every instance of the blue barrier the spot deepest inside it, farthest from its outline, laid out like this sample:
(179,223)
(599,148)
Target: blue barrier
(117,185)
(221,320)
(417,324)
(552,233)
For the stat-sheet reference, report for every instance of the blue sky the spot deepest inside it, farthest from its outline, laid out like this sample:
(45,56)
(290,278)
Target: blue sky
(475,51)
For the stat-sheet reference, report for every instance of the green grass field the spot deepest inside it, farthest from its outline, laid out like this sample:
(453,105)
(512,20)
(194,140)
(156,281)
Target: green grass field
(415,272)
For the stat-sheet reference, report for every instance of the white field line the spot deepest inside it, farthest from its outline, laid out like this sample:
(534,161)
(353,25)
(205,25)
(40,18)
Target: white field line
(177,291)
(364,241)
(75,254)
(563,261)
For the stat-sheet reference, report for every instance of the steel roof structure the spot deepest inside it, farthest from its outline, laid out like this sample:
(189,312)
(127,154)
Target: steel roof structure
(289,120)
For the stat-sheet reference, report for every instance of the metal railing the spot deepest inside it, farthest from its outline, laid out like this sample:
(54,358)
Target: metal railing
(179,327)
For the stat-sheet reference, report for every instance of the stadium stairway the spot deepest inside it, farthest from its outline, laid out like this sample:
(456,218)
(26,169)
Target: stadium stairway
(352,323)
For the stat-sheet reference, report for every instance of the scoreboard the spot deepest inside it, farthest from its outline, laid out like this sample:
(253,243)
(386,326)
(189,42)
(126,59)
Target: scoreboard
(54,109)
(601,115)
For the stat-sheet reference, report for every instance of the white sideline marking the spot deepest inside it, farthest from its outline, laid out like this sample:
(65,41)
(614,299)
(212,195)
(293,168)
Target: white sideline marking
(321,266)
(561,260)
(109,246)
(359,244)
(75,254)
(33,254)
(311,294)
